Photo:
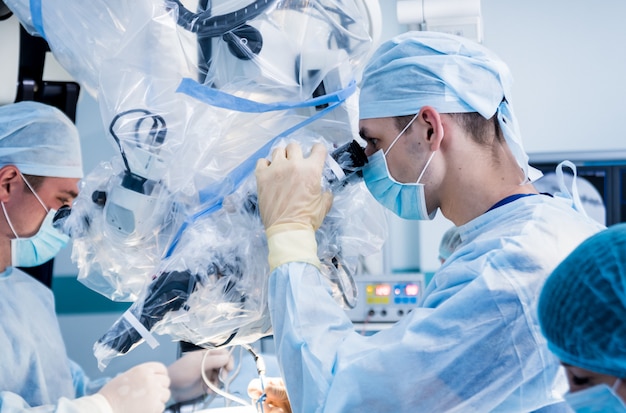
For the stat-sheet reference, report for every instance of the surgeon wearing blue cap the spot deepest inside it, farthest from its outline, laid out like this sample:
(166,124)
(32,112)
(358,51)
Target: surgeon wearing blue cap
(437,115)
(582,313)
(40,167)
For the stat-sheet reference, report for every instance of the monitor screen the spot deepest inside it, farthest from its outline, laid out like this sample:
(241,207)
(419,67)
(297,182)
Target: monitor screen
(601,187)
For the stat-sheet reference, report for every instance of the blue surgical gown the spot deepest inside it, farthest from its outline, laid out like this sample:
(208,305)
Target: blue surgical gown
(472,345)
(35,369)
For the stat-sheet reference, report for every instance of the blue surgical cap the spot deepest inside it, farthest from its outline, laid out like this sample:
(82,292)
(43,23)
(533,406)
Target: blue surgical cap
(450,240)
(39,140)
(450,73)
(582,306)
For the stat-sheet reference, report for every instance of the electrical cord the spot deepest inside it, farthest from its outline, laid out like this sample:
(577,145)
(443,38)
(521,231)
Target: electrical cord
(260,366)
(232,375)
(207,25)
(157,132)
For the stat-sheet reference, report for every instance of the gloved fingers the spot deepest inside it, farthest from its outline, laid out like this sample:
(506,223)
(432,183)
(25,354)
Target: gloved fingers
(160,378)
(144,387)
(217,359)
(186,372)
(293,152)
(155,367)
(318,154)
(289,189)
(278,154)
(255,390)
(228,367)
(157,371)
(262,163)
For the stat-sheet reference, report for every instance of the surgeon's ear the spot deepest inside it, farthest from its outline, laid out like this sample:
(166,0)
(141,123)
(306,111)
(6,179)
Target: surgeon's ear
(9,180)
(431,120)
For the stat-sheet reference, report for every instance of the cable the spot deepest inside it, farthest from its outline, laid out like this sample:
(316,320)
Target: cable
(232,375)
(157,132)
(260,368)
(217,390)
(207,25)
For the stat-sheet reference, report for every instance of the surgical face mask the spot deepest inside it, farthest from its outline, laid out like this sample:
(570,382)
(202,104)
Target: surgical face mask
(407,200)
(41,247)
(600,398)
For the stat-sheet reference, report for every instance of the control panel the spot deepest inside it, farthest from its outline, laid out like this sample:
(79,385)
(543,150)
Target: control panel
(385,299)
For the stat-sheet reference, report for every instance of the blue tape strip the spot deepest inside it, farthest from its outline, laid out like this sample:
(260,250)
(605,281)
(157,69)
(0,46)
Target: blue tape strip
(213,195)
(215,97)
(37,16)
(237,175)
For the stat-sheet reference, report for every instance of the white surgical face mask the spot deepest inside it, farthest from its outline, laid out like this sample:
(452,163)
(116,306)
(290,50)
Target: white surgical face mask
(599,398)
(407,200)
(41,247)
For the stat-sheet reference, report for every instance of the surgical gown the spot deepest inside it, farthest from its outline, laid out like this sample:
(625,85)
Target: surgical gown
(472,345)
(35,369)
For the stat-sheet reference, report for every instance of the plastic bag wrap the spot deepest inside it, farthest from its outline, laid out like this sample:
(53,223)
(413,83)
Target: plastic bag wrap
(192,100)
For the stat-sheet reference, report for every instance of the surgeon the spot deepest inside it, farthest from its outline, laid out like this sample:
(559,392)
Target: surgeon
(436,113)
(40,166)
(582,313)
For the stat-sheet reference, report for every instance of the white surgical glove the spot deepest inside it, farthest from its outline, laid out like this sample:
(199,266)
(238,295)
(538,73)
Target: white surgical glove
(144,388)
(291,203)
(186,374)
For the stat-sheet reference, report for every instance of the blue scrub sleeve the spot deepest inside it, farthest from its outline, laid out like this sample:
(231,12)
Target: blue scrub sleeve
(12,403)
(83,385)
(471,354)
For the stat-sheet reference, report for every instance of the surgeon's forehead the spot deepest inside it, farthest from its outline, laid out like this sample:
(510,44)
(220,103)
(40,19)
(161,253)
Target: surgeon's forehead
(375,127)
(54,186)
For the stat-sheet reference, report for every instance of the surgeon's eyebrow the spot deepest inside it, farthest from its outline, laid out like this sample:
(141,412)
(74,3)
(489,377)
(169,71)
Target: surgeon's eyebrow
(73,194)
(365,134)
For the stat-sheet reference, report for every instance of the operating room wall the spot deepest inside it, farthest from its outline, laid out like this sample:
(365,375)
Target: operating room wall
(568,94)
(567,61)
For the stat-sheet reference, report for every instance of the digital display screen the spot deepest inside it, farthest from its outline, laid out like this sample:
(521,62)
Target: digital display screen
(395,293)
(382,290)
(411,290)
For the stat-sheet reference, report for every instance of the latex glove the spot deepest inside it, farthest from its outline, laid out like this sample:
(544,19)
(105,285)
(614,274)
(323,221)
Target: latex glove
(186,372)
(291,200)
(289,188)
(276,400)
(144,388)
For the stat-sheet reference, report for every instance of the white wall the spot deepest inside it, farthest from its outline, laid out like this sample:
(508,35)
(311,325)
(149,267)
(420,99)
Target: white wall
(567,59)
(568,63)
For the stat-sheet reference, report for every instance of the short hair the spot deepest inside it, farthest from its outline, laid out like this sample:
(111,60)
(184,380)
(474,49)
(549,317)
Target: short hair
(479,128)
(35,181)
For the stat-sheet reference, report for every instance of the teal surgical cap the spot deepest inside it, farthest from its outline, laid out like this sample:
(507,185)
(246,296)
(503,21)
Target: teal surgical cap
(450,240)
(450,73)
(582,306)
(39,140)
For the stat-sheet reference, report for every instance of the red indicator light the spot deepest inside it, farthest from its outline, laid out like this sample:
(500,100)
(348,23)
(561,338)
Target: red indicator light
(412,290)
(383,290)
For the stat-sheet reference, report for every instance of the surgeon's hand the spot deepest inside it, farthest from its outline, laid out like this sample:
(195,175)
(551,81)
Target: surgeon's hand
(291,203)
(186,372)
(144,388)
(289,189)
(276,400)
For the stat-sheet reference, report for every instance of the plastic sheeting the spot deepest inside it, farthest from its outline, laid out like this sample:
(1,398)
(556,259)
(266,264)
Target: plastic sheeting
(193,96)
